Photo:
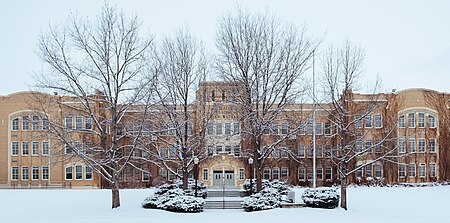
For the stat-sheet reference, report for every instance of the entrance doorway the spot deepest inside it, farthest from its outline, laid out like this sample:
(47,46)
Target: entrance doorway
(228,178)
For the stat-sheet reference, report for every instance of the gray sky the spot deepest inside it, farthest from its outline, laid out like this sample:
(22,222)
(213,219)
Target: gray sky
(407,43)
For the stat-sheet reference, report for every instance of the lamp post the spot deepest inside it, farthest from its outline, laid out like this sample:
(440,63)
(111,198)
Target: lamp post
(250,162)
(196,174)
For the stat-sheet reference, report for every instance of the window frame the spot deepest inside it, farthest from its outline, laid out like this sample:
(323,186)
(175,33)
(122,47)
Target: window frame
(368,122)
(35,150)
(25,148)
(34,175)
(68,172)
(412,121)
(14,173)
(45,176)
(378,120)
(15,124)
(421,120)
(25,174)
(205,174)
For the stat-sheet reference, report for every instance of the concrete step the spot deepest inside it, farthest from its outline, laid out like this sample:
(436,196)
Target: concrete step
(227,193)
(222,205)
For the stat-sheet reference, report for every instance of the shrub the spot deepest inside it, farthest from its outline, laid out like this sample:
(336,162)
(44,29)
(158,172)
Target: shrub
(322,197)
(266,199)
(171,198)
(280,186)
(188,204)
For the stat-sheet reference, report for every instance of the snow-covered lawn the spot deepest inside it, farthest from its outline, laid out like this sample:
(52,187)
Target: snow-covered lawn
(366,204)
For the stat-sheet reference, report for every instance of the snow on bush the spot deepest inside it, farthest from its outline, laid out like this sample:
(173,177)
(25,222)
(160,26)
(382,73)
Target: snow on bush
(188,204)
(321,197)
(267,198)
(281,186)
(171,198)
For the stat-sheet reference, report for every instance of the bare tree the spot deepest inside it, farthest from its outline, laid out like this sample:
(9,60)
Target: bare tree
(360,140)
(180,65)
(96,68)
(265,59)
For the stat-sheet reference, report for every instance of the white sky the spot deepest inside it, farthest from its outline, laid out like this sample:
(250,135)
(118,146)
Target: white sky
(407,43)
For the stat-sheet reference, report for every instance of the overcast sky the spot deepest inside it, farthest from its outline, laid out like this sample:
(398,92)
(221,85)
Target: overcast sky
(407,43)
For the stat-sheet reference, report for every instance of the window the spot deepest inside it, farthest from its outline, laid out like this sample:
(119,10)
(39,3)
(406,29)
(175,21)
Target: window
(368,146)
(45,148)
(35,173)
(45,124)
(301,151)
(275,173)
(302,130)
(236,128)
(223,96)
(328,152)
(210,150)
(266,174)
(422,170)
(412,170)
(309,127)
(170,175)
(45,173)
(378,171)
(358,146)
(327,128)
(276,152)
(218,128)
(431,121)
(69,173)
(78,172)
(87,122)
(172,152)
(368,121)
(213,95)
(210,129)
(411,120)
(68,122)
(422,145)
(284,128)
(266,130)
(402,170)
(309,173)
(401,146)
(205,174)
(78,122)
(378,145)
(284,152)
(319,128)
(237,151)
(275,129)
(15,124)
(378,119)
(241,174)
(319,173)
(25,123)
(228,149)
(432,145)
(145,176)
(25,146)
(24,173)
(358,172)
(35,123)
(284,173)
(218,149)
(319,151)
(227,128)
(328,173)
(35,148)
(14,173)
(421,123)
(14,148)
(358,121)
(301,174)
(88,173)
(163,173)
(368,170)
(68,148)
(412,145)
(432,169)
(310,152)
(401,121)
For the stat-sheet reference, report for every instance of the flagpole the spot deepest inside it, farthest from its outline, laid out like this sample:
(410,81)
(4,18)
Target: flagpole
(314,126)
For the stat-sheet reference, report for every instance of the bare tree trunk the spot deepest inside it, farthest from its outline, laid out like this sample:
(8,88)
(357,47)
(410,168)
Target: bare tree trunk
(115,194)
(344,192)
(185,178)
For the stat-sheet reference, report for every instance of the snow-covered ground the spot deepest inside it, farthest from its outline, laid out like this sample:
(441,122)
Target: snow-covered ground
(366,204)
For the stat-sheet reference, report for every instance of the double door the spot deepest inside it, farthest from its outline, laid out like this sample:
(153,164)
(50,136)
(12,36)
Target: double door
(221,178)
